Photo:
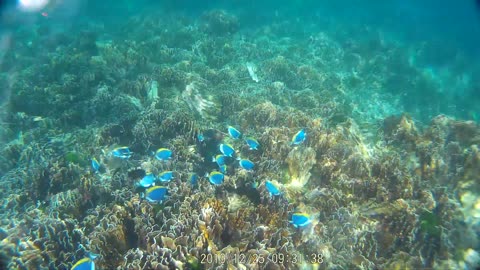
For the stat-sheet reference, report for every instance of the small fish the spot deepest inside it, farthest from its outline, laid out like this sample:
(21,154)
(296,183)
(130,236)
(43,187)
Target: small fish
(216,178)
(252,143)
(147,181)
(95,165)
(163,154)
(122,152)
(227,150)
(255,184)
(84,264)
(166,176)
(193,178)
(223,169)
(234,133)
(200,137)
(246,164)
(299,137)
(272,188)
(300,220)
(156,194)
(219,159)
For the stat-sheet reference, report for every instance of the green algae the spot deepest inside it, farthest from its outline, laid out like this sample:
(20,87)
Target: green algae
(430,223)
(75,158)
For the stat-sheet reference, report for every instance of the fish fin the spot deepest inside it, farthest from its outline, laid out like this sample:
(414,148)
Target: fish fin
(93,256)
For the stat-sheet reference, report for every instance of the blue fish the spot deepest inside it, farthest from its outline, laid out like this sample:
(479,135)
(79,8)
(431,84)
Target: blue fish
(299,137)
(223,169)
(147,181)
(252,143)
(246,164)
(216,178)
(220,159)
(227,150)
(163,154)
(84,264)
(300,220)
(272,188)
(200,137)
(156,194)
(122,152)
(193,178)
(166,176)
(95,165)
(234,133)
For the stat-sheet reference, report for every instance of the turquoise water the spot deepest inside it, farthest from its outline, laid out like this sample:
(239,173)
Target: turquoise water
(240,135)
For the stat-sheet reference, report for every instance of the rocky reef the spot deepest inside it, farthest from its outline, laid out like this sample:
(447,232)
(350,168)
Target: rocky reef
(382,189)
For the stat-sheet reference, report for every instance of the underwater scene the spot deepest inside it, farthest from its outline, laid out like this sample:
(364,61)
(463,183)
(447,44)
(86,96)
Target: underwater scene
(241,134)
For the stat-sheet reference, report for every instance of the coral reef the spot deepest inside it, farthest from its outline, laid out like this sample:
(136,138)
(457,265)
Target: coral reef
(382,189)
(219,22)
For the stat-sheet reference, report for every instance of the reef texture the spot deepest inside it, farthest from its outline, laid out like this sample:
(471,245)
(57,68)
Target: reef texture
(384,192)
